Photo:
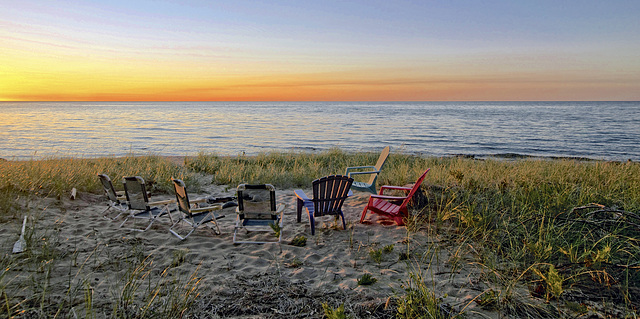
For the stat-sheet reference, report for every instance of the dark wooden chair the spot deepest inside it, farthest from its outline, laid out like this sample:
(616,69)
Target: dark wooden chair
(329,194)
(394,207)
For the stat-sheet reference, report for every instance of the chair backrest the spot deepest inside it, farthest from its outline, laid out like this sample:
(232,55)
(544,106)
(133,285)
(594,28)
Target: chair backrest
(256,201)
(416,186)
(136,192)
(381,160)
(329,194)
(108,188)
(181,196)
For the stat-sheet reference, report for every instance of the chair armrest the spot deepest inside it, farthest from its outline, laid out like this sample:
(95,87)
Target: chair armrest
(352,168)
(386,197)
(397,188)
(301,195)
(206,209)
(162,202)
(302,201)
(360,167)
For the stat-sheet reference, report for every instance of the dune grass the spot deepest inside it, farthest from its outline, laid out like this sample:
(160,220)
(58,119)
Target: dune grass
(564,229)
(56,177)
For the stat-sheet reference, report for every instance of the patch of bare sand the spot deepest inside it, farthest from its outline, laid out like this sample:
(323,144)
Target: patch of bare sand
(269,280)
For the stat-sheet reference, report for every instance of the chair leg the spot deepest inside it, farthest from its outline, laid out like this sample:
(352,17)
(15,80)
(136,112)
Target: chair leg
(344,224)
(299,205)
(153,219)
(174,232)
(104,213)
(217,229)
(364,213)
(165,210)
(110,207)
(312,222)
(124,221)
(191,231)
(235,233)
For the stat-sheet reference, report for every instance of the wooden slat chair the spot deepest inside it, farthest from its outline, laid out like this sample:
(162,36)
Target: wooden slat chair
(117,200)
(257,211)
(373,171)
(139,205)
(192,214)
(388,205)
(329,194)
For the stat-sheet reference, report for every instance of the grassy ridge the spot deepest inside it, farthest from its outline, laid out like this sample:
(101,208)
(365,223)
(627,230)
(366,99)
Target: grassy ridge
(530,221)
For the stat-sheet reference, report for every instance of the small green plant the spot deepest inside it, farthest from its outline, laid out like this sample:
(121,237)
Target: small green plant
(376,255)
(295,263)
(419,301)
(577,307)
(88,299)
(276,229)
(299,241)
(179,257)
(331,313)
(489,300)
(554,282)
(367,280)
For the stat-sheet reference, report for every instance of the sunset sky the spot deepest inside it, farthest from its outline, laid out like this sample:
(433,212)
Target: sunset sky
(325,50)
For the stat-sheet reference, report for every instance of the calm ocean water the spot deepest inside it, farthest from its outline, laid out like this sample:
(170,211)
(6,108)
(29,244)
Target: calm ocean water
(597,130)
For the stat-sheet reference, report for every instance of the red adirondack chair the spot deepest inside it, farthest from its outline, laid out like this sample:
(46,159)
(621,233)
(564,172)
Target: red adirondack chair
(388,205)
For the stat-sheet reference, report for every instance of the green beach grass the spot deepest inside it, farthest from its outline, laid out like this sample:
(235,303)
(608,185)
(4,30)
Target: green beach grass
(566,230)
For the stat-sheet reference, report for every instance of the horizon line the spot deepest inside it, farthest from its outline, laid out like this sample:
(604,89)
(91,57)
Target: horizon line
(310,101)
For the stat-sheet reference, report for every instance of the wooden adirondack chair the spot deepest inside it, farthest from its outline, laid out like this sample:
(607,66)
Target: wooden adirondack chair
(329,194)
(388,205)
(373,171)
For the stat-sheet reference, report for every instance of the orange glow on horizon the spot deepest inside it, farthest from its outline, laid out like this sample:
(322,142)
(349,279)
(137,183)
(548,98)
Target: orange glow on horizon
(313,87)
(316,51)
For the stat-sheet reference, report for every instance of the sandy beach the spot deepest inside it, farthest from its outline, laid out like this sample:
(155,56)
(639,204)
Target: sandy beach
(244,280)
